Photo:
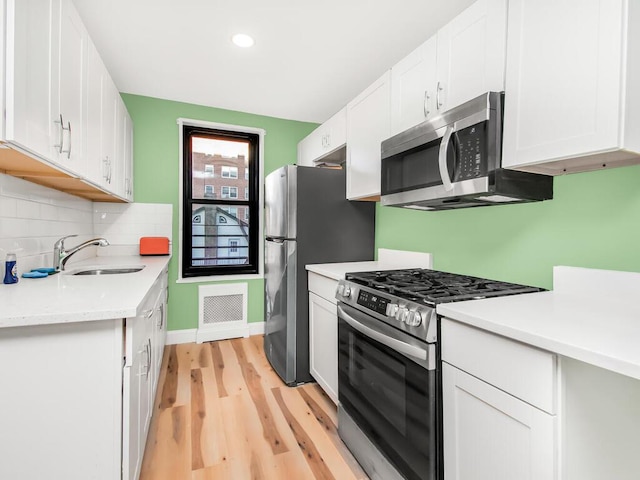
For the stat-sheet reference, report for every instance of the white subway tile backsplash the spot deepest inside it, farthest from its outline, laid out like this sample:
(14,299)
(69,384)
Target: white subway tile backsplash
(33,217)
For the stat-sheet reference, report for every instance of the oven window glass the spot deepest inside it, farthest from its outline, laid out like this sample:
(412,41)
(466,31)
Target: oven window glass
(392,400)
(381,378)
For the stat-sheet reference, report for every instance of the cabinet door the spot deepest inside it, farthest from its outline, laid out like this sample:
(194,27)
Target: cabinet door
(324,140)
(30,123)
(118,164)
(563,95)
(368,123)
(128,157)
(490,435)
(71,61)
(135,396)
(471,54)
(413,82)
(310,148)
(323,344)
(96,170)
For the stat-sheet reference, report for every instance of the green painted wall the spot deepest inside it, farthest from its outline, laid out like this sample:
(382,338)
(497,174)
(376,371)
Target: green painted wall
(593,221)
(156,169)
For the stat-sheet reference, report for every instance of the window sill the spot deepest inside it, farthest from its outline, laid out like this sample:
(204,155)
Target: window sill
(221,278)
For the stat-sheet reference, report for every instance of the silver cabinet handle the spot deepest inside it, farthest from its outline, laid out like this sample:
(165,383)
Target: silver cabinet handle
(105,167)
(68,152)
(161,316)
(110,171)
(61,139)
(149,354)
(442,158)
(425,105)
(397,345)
(438,90)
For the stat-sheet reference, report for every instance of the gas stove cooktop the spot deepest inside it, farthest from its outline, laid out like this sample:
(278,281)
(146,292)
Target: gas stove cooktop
(431,287)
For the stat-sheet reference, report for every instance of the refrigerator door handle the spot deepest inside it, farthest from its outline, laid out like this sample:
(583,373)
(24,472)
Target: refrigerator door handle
(275,240)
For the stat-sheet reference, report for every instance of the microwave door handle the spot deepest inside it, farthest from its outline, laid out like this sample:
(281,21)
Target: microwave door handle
(397,345)
(442,159)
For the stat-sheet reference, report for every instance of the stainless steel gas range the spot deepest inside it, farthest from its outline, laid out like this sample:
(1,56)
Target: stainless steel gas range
(389,373)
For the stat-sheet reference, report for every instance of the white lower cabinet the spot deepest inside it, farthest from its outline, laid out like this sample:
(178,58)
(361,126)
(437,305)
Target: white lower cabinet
(491,435)
(77,397)
(323,333)
(491,428)
(323,328)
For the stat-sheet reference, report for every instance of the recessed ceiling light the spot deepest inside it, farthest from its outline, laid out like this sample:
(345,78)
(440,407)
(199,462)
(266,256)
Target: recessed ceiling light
(242,40)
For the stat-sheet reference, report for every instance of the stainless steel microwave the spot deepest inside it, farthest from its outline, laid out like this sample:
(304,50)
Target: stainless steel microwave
(455,161)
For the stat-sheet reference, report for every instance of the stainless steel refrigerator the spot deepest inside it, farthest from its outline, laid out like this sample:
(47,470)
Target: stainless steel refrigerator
(307,220)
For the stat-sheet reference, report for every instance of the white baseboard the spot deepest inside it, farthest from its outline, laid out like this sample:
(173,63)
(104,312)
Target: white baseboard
(256,328)
(175,337)
(190,335)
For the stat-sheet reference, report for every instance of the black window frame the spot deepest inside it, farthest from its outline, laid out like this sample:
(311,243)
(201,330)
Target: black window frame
(252,203)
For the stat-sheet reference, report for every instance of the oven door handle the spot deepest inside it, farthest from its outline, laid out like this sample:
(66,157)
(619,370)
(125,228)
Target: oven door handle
(393,343)
(442,159)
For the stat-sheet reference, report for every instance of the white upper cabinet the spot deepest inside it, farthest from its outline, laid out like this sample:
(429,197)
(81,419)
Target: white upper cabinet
(61,102)
(69,85)
(463,60)
(127,172)
(368,123)
(413,87)
(122,169)
(30,73)
(572,100)
(324,141)
(471,54)
(101,121)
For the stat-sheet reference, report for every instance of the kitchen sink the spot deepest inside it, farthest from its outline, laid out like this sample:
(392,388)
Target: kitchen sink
(107,270)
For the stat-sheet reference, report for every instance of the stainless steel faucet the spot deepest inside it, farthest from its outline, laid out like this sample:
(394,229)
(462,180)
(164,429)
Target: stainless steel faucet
(60,255)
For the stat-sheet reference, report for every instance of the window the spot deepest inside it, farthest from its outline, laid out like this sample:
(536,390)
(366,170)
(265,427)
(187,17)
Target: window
(230,172)
(231,211)
(220,239)
(229,192)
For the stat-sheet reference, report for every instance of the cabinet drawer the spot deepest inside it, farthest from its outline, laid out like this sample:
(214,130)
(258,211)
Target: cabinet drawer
(523,371)
(322,286)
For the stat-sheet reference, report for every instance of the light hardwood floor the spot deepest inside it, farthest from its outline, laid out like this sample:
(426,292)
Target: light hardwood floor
(221,412)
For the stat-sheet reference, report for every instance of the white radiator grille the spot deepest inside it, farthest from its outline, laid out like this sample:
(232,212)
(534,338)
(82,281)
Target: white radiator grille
(222,308)
(222,312)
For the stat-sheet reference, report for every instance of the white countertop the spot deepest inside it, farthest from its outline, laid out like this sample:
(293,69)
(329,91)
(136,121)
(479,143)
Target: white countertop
(387,260)
(597,330)
(65,298)
(338,270)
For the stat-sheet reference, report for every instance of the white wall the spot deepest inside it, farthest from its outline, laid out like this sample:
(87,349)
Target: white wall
(33,217)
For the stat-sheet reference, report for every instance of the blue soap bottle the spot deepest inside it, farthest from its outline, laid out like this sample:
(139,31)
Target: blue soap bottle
(10,269)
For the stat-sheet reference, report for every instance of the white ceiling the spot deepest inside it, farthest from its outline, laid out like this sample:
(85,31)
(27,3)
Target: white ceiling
(309,60)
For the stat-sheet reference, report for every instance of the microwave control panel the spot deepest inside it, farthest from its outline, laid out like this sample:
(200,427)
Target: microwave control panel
(471,152)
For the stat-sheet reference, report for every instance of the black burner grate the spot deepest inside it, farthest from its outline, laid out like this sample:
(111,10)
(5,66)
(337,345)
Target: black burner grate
(432,286)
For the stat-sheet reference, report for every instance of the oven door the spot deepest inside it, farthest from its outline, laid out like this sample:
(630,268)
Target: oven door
(387,385)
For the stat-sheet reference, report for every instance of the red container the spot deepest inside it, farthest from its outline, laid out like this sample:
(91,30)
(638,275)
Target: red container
(154,246)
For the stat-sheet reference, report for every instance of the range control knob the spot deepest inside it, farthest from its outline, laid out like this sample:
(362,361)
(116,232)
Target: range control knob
(340,289)
(391,310)
(347,291)
(400,313)
(405,315)
(415,319)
